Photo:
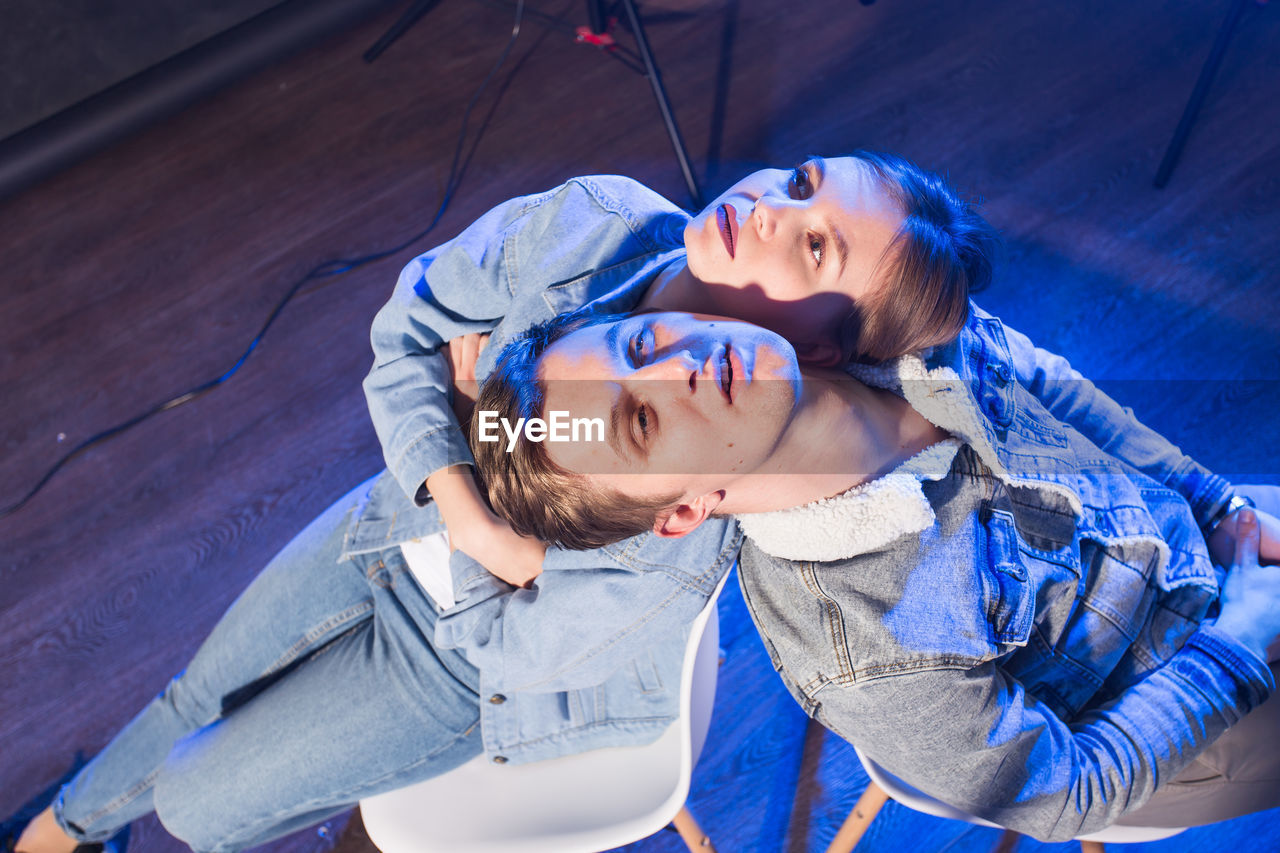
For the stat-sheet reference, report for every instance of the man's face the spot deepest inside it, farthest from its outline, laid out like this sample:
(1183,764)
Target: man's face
(689,402)
(793,251)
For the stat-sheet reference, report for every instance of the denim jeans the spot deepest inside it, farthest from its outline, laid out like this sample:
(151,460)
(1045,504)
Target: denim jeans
(318,687)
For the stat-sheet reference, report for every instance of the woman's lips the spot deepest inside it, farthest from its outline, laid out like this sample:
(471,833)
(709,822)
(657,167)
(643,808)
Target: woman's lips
(724,220)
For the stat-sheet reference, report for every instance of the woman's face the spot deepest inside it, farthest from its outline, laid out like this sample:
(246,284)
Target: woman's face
(795,250)
(689,402)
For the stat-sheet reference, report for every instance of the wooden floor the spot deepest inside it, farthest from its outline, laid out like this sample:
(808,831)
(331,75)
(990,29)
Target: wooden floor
(147,270)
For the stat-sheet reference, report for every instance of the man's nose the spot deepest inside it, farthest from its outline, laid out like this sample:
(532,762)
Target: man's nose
(678,365)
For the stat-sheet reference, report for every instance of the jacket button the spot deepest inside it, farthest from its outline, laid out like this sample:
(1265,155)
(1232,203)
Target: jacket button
(499,759)
(497,699)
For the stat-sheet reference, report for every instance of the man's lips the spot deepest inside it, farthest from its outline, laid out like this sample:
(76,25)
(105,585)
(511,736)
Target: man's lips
(725,217)
(726,374)
(730,373)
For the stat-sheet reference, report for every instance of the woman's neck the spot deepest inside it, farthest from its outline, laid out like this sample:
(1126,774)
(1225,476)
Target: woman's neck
(676,289)
(842,434)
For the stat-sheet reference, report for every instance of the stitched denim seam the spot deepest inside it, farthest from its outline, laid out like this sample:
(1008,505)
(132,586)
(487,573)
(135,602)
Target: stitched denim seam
(612,722)
(122,800)
(838,638)
(420,440)
(309,639)
(713,570)
(640,261)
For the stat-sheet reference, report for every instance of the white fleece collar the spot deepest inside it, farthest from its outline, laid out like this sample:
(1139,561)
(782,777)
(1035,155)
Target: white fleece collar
(866,517)
(874,514)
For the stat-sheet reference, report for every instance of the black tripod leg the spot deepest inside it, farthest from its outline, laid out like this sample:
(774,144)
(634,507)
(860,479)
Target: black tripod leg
(1198,93)
(664,105)
(416,10)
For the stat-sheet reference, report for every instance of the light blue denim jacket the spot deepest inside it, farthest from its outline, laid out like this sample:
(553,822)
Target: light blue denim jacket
(1038,652)
(591,655)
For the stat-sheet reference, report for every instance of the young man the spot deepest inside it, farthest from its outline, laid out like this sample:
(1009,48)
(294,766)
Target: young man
(990,606)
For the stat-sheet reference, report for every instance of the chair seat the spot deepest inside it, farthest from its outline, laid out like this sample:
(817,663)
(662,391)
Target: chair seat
(580,803)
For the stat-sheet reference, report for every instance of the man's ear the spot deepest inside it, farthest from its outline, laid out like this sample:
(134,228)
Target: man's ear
(686,517)
(820,354)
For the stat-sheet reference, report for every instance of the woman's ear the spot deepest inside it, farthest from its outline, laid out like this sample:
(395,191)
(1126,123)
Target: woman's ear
(820,354)
(686,517)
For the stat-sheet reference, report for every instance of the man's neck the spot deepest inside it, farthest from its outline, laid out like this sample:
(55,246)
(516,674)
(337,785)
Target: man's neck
(843,434)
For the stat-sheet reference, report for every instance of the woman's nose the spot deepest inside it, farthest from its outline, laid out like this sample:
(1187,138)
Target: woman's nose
(766,213)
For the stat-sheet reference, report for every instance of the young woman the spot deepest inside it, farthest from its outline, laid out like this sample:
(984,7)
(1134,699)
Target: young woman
(990,606)
(863,255)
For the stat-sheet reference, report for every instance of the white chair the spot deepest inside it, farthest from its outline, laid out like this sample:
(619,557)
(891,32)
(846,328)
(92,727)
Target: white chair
(576,804)
(884,785)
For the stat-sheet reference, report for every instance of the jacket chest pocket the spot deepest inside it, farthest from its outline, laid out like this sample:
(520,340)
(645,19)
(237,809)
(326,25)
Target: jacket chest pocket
(1006,584)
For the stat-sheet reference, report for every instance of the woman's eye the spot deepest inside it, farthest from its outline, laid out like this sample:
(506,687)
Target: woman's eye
(817,248)
(642,420)
(801,187)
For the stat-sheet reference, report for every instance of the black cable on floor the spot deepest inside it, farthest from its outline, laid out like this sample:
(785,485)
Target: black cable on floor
(326,269)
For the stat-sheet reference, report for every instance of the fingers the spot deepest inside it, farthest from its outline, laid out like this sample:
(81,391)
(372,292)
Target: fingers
(1247,539)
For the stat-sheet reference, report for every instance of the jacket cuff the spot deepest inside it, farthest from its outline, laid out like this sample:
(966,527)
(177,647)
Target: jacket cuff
(1254,679)
(433,451)
(1206,492)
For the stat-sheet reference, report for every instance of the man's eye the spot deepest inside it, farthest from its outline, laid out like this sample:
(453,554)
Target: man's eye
(800,187)
(637,349)
(817,247)
(642,420)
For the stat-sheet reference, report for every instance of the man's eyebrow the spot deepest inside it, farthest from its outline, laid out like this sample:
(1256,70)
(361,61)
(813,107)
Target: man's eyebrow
(619,421)
(615,421)
(611,337)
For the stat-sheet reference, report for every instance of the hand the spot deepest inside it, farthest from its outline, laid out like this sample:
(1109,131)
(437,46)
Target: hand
(1222,541)
(504,553)
(1251,592)
(463,352)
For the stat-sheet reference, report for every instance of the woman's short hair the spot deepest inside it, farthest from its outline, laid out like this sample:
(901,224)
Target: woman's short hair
(943,252)
(537,497)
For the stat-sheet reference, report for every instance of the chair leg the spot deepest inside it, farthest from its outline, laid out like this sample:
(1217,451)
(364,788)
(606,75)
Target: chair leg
(1092,847)
(696,840)
(1008,841)
(859,819)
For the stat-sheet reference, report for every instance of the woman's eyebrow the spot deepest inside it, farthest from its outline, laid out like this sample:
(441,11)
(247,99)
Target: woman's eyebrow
(842,248)
(819,165)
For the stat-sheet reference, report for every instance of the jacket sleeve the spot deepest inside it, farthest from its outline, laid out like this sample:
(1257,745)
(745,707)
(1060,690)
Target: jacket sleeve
(504,264)
(1074,400)
(975,739)
(460,287)
(589,613)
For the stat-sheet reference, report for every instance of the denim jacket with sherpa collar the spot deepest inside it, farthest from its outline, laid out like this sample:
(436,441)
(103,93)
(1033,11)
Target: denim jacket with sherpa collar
(1014,621)
(590,656)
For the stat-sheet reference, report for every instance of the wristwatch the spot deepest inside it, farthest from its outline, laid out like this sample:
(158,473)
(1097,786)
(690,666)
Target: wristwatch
(1237,502)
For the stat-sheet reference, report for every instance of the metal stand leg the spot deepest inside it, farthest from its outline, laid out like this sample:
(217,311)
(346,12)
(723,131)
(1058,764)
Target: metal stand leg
(1198,93)
(410,17)
(664,106)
